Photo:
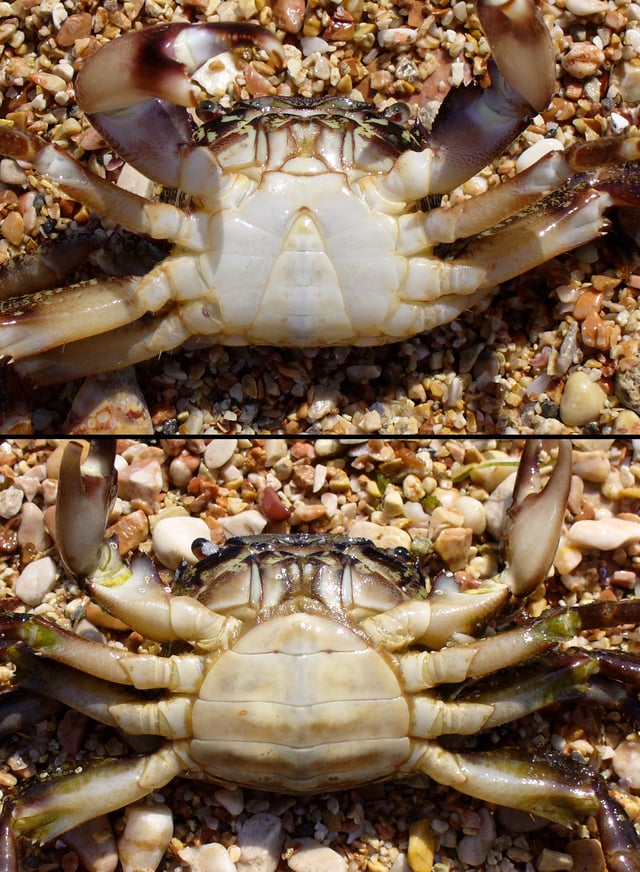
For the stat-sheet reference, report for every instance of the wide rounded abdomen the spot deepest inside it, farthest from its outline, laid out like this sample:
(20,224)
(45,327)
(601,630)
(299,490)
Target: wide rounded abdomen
(300,704)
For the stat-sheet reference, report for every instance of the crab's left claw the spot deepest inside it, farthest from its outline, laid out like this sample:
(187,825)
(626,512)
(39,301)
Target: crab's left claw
(535,518)
(85,495)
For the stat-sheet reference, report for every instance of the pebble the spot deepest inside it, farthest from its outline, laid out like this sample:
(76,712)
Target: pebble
(384,537)
(12,228)
(36,580)
(553,861)
(421,848)
(453,545)
(10,502)
(146,836)
(218,452)
(473,514)
(587,856)
(260,842)
(474,849)
(248,523)
(74,27)
(606,534)
(182,469)
(131,530)
(11,173)
(94,844)
(275,450)
(311,856)
(212,857)
(231,800)
(110,403)
(583,60)
(31,532)
(582,400)
(142,480)
(591,466)
(172,539)
(535,152)
(626,762)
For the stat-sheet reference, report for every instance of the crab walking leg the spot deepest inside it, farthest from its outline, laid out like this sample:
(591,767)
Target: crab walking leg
(550,786)
(156,63)
(475,124)
(101,700)
(424,669)
(51,807)
(446,224)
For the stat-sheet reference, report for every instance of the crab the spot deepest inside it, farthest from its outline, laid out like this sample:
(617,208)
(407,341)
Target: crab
(306,223)
(266,693)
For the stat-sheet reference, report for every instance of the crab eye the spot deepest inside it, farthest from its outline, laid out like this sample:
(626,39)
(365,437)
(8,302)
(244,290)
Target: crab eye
(209,110)
(398,113)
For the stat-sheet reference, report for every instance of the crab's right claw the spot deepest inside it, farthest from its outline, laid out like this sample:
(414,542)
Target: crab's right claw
(535,518)
(85,495)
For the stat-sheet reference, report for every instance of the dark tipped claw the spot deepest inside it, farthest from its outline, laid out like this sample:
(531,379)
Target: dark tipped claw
(8,848)
(85,495)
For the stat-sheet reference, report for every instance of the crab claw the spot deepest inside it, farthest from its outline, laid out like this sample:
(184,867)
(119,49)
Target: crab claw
(8,847)
(535,518)
(85,495)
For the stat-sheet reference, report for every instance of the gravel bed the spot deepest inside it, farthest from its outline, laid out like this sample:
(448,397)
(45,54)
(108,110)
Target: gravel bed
(445,500)
(568,329)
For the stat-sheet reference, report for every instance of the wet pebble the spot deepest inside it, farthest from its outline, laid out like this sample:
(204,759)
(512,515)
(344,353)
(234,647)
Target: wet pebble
(218,452)
(146,836)
(172,539)
(35,581)
(553,861)
(94,844)
(141,481)
(582,400)
(131,531)
(311,856)
(260,842)
(587,856)
(31,532)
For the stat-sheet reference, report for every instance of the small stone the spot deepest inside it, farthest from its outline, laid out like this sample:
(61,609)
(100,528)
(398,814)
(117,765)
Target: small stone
(142,480)
(110,403)
(453,545)
(311,856)
(11,173)
(182,469)
(275,450)
(626,762)
(131,530)
(77,26)
(35,581)
(473,849)
(218,452)
(31,532)
(212,857)
(94,844)
(473,514)
(605,534)
(582,400)
(12,228)
(146,836)
(535,152)
(384,537)
(260,842)
(422,843)
(231,800)
(172,539)
(247,523)
(553,861)
(583,59)
(591,466)
(587,856)
(272,506)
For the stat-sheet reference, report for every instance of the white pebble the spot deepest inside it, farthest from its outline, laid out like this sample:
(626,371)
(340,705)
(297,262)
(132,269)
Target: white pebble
(142,480)
(172,539)
(147,833)
(314,857)
(384,537)
(212,857)
(35,581)
(472,511)
(249,523)
(582,400)
(10,501)
(218,452)
(260,842)
(607,534)
(626,762)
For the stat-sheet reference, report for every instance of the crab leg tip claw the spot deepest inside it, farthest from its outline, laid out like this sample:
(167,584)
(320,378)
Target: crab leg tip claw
(620,841)
(536,518)
(85,495)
